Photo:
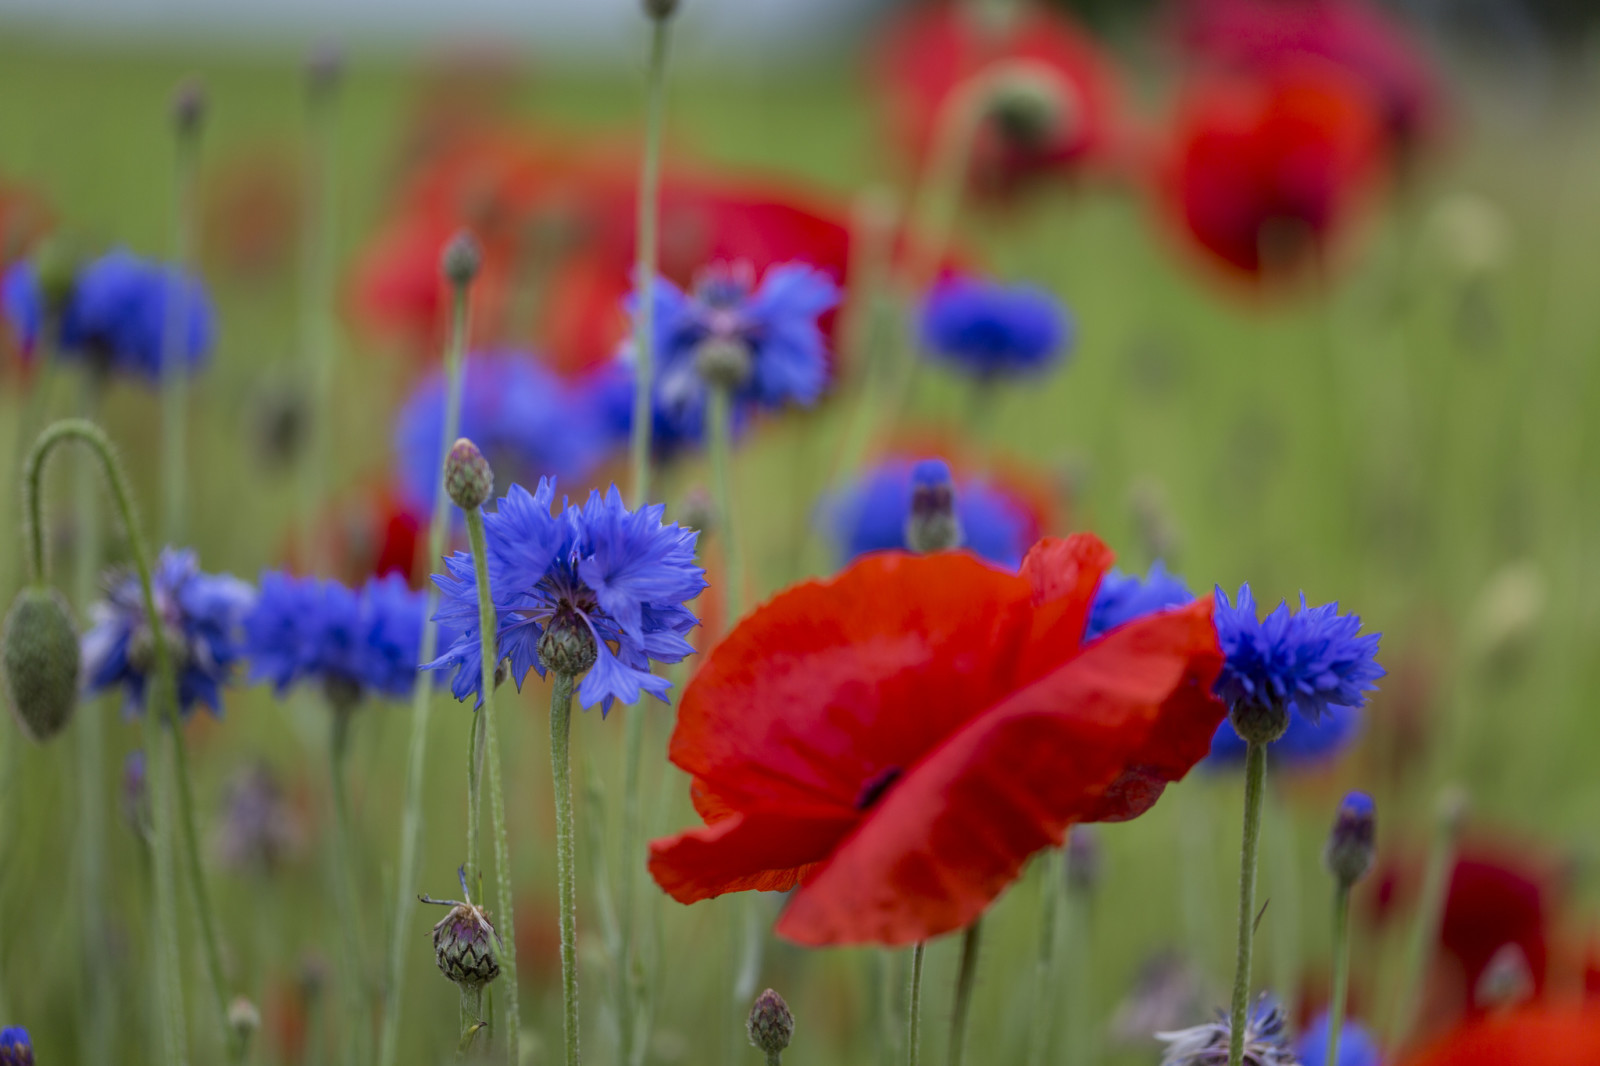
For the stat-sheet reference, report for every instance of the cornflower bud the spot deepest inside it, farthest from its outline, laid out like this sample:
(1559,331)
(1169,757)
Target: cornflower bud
(770,1025)
(1351,843)
(462,259)
(15,1047)
(932,525)
(136,794)
(189,107)
(1031,105)
(39,654)
(325,67)
(723,362)
(465,942)
(1507,980)
(467,477)
(567,646)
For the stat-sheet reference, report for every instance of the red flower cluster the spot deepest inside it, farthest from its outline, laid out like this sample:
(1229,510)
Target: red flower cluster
(897,741)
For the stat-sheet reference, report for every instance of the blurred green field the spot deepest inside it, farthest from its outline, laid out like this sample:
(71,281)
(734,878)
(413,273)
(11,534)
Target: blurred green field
(1396,446)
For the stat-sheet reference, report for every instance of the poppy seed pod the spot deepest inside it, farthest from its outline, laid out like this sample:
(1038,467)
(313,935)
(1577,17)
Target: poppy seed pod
(41,663)
(770,1025)
(463,945)
(1032,105)
(462,259)
(467,477)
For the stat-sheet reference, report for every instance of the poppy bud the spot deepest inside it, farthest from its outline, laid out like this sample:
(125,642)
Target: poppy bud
(932,525)
(189,107)
(723,362)
(567,646)
(463,944)
(770,1024)
(243,1018)
(1084,858)
(1257,722)
(462,259)
(467,477)
(40,659)
(15,1047)
(660,9)
(1030,105)
(1351,845)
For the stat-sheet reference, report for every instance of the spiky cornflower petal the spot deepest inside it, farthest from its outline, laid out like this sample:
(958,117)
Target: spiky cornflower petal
(1304,661)
(16,1049)
(1357,1047)
(1266,1040)
(991,330)
(1122,598)
(622,575)
(201,616)
(116,316)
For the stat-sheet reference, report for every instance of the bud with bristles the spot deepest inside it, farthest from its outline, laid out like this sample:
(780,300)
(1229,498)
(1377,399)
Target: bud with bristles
(39,656)
(1352,843)
(462,259)
(770,1025)
(1031,105)
(932,525)
(465,942)
(467,477)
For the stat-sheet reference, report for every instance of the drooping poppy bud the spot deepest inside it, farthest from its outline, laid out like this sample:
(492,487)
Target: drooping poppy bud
(41,662)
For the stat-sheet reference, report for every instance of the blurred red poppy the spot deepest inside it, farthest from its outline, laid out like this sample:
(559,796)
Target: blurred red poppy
(934,49)
(368,533)
(253,212)
(898,740)
(1544,1035)
(1266,173)
(1261,35)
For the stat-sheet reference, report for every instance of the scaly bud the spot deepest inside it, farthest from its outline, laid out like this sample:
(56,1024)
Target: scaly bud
(136,794)
(462,259)
(1084,858)
(1259,722)
(464,941)
(932,525)
(325,67)
(467,477)
(770,1025)
(567,646)
(39,653)
(1352,842)
(1031,104)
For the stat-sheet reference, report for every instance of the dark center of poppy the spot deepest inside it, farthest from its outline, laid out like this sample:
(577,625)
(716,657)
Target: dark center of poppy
(874,787)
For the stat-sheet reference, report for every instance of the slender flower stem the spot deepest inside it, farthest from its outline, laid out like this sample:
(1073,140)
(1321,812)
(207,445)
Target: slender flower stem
(914,1008)
(645,265)
(1341,969)
(400,936)
(966,977)
(175,336)
(169,963)
(1430,912)
(345,896)
(566,876)
(1255,776)
(472,1000)
(317,349)
(1044,984)
(488,628)
(632,820)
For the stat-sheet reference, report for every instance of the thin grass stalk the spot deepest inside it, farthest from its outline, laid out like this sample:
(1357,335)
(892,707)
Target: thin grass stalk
(966,978)
(645,264)
(1424,933)
(914,1006)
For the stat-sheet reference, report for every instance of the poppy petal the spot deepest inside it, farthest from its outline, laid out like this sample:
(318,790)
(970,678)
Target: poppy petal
(766,851)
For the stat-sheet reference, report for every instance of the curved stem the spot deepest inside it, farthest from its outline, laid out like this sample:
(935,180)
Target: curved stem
(566,876)
(966,976)
(488,628)
(649,222)
(347,900)
(914,1009)
(421,705)
(1341,969)
(1255,775)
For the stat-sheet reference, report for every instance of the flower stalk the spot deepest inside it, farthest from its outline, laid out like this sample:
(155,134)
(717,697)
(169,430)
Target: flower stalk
(1341,969)
(1430,912)
(566,875)
(347,900)
(966,978)
(914,1008)
(1255,776)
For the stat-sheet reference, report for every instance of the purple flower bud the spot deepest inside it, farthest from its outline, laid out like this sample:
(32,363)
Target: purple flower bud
(1352,842)
(770,1025)
(467,477)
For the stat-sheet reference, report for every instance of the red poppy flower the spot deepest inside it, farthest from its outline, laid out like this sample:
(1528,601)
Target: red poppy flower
(1547,1035)
(897,741)
(1266,172)
(1260,35)
(936,48)
(369,533)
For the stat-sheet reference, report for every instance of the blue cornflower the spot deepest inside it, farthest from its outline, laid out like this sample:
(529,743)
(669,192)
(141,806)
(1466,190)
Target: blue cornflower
(15,1047)
(351,641)
(871,515)
(769,331)
(1266,1039)
(597,575)
(524,419)
(992,330)
(1305,743)
(201,616)
(1356,1046)
(609,393)
(22,305)
(1304,662)
(116,316)
(1121,598)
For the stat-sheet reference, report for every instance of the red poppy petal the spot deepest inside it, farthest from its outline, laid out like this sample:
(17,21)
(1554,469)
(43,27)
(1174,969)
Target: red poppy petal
(766,851)
(955,830)
(1538,1036)
(1063,574)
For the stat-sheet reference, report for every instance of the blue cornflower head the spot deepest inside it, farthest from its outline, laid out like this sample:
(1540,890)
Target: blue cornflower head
(1303,745)
(1266,1040)
(352,641)
(991,330)
(116,316)
(524,418)
(15,1047)
(201,616)
(1356,1046)
(871,515)
(609,393)
(600,585)
(22,305)
(1305,662)
(1121,598)
(764,337)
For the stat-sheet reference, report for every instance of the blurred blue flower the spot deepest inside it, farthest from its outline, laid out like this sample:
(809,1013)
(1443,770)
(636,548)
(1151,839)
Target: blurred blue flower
(871,515)
(116,316)
(623,575)
(1123,597)
(15,1047)
(609,393)
(201,616)
(1356,1046)
(22,305)
(990,330)
(526,421)
(1266,1039)
(353,641)
(1306,661)
(774,324)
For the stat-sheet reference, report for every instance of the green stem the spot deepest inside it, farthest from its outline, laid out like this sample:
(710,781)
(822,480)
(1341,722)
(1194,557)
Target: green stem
(400,936)
(475,757)
(317,291)
(1045,993)
(1255,776)
(1081,1034)
(488,628)
(1341,969)
(719,417)
(914,1008)
(966,977)
(645,266)
(632,819)
(347,900)
(566,876)
(175,339)
(169,963)
(1425,926)
(471,1018)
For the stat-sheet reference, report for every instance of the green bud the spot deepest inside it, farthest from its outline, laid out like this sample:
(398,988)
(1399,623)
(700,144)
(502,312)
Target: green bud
(567,646)
(462,260)
(467,477)
(40,659)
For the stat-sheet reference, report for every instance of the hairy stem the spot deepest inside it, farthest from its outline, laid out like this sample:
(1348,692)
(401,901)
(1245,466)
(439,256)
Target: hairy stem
(966,977)
(1255,776)
(1341,969)
(346,898)
(317,293)
(566,874)
(914,1007)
